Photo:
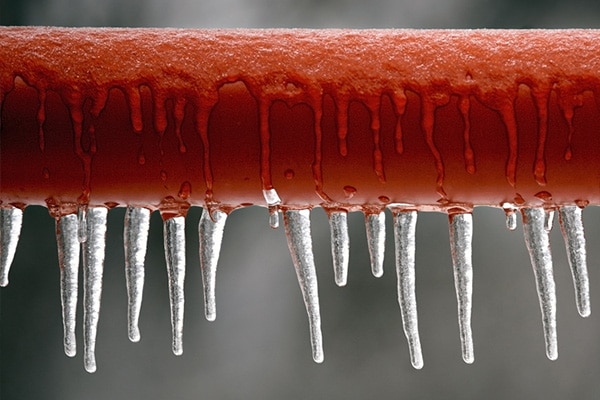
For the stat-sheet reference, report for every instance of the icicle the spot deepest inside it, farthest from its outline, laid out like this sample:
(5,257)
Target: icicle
(210,232)
(376,241)
(404,236)
(93,267)
(571,225)
(297,229)
(272,198)
(538,244)
(461,236)
(11,220)
(174,241)
(135,241)
(340,245)
(549,220)
(82,210)
(68,245)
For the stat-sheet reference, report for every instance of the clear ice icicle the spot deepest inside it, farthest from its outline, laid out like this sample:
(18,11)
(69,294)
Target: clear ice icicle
(340,246)
(538,244)
(93,268)
(297,229)
(461,237)
(375,224)
(571,225)
(273,200)
(11,220)
(68,245)
(135,242)
(210,232)
(549,220)
(174,241)
(404,235)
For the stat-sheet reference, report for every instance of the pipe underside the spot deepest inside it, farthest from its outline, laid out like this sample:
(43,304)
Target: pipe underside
(418,119)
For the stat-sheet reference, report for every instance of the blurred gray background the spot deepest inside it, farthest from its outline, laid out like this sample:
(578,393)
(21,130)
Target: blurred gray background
(259,346)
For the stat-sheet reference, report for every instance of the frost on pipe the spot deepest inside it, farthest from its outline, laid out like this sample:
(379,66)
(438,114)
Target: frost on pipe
(413,121)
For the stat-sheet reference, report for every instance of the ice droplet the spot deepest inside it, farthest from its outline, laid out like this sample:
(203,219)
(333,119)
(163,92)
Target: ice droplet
(340,246)
(404,236)
(272,198)
(538,244)
(210,232)
(135,242)
(549,220)
(297,229)
(68,245)
(571,225)
(174,242)
(375,224)
(461,237)
(82,218)
(93,268)
(11,220)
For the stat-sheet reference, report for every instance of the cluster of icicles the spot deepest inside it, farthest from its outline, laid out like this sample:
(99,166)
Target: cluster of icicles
(86,230)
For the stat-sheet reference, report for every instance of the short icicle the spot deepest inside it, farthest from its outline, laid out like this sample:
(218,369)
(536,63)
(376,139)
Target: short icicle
(461,237)
(135,234)
(571,225)
(67,241)
(93,268)
(405,223)
(297,229)
(174,242)
(375,224)
(210,232)
(11,219)
(340,246)
(538,244)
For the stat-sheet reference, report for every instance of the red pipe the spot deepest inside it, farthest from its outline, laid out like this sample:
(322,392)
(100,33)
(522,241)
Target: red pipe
(346,119)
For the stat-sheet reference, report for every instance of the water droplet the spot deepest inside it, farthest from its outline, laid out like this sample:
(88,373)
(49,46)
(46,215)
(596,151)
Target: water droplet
(11,220)
(538,244)
(511,219)
(93,267)
(349,191)
(571,225)
(210,232)
(135,241)
(543,195)
(461,237)
(568,153)
(163,175)
(273,200)
(185,190)
(375,224)
(289,174)
(68,245)
(141,157)
(340,246)
(174,242)
(404,237)
(384,199)
(519,200)
(46,173)
(274,217)
(297,229)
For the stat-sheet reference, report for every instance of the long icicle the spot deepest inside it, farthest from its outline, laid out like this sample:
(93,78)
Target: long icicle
(405,223)
(93,268)
(135,242)
(571,225)
(461,237)
(375,225)
(174,242)
(340,246)
(67,241)
(538,244)
(11,219)
(297,229)
(210,232)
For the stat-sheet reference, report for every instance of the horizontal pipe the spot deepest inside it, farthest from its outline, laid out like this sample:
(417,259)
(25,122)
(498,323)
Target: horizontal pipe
(351,120)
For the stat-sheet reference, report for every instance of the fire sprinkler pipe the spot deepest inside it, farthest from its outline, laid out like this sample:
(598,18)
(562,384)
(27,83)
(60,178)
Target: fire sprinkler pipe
(292,119)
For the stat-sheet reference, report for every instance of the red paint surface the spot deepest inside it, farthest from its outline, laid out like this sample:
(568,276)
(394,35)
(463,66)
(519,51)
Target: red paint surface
(352,119)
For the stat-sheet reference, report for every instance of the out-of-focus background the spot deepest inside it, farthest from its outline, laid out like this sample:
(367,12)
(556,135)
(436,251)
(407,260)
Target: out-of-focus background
(259,345)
